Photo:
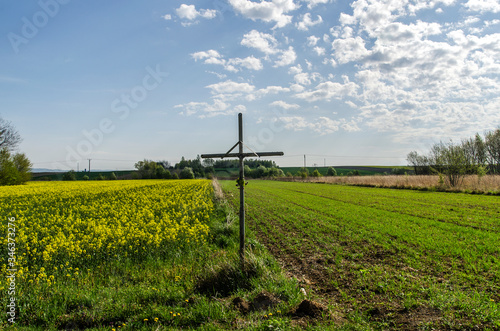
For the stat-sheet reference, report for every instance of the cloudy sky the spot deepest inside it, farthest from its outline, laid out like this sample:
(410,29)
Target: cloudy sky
(345,82)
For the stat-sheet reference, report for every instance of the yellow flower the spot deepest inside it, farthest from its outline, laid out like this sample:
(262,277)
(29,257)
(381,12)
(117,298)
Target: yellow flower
(145,320)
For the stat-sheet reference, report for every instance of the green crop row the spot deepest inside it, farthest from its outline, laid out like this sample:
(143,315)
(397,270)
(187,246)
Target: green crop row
(394,252)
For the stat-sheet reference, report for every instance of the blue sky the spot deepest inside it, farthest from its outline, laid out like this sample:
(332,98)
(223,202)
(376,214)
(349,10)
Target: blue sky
(345,82)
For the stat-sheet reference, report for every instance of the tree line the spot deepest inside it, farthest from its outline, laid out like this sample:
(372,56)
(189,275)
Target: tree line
(15,168)
(472,156)
(198,168)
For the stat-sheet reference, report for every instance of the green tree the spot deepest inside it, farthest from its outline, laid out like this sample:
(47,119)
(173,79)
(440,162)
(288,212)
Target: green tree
(167,174)
(261,171)
(275,172)
(175,176)
(316,173)
(69,176)
(331,171)
(8,172)
(112,176)
(23,166)
(187,173)
(159,172)
(492,143)
(303,172)
(146,169)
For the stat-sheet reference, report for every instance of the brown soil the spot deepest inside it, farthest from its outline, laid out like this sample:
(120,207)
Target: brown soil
(310,309)
(320,275)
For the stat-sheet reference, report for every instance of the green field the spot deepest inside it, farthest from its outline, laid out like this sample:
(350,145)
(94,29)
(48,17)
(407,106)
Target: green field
(383,258)
(341,171)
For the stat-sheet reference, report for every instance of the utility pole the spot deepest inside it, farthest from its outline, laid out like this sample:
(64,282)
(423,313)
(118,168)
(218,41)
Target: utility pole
(304,160)
(89,164)
(241,180)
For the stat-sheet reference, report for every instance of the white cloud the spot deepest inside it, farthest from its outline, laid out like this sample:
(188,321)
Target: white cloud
(190,13)
(287,57)
(206,54)
(350,49)
(167,17)
(407,73)
(205,109)
(250,62)
(229,87)
(191,108)
(483,6)
(312,41)
(295,69)
(329,90)
(264,42)
(267,11)
(306,78)
(284,105)
(319,50)
(322,125)
(313,3)
(308,22)
(297,88)
(273,90)
(213,57)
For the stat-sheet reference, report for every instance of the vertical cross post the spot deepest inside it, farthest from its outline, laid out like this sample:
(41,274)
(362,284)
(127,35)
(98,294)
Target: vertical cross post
(241,182)
(241,179)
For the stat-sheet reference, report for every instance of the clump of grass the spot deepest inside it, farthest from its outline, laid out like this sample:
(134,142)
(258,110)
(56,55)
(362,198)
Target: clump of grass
(228,277)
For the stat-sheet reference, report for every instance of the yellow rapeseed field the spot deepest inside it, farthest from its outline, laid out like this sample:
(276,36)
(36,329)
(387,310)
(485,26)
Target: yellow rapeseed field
(62,228)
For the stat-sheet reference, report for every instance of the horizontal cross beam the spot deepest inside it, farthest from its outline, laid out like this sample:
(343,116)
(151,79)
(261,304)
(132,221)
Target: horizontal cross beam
(214,156)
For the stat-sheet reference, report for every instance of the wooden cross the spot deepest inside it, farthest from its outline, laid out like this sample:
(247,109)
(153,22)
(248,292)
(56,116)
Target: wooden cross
(241,180)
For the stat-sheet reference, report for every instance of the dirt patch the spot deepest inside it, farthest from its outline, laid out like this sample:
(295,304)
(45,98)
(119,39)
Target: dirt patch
(241,304)
(308,308)
(264,301)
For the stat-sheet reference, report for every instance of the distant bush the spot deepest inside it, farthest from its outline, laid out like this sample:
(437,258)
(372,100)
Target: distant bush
(303,172)
(316,173)
(187,173)
(275,172)
(85,177)
(331,171)
(112,176)
(100,177)
(175,176)
(70,175)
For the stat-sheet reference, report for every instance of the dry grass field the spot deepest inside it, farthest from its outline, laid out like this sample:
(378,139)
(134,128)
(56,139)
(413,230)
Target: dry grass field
(473,183)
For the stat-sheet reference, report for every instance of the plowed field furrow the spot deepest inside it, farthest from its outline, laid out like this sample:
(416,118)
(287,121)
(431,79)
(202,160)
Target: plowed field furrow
(448,239)
(369,248)
(458,212)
